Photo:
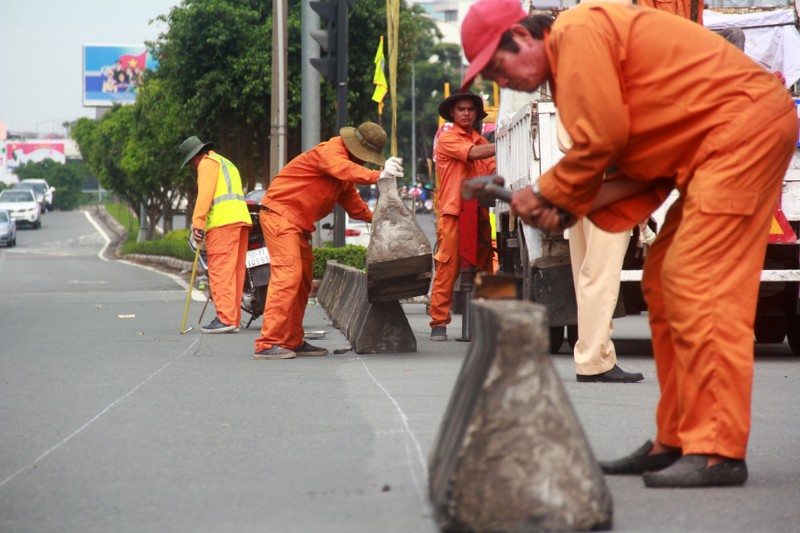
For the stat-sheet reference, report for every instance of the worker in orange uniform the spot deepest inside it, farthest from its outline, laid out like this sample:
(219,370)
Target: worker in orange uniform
(303,192)
(220,214)
(461,152)
(673,106)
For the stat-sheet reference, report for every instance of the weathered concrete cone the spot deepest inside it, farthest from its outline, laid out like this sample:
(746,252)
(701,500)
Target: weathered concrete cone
(511,455)
(399,259)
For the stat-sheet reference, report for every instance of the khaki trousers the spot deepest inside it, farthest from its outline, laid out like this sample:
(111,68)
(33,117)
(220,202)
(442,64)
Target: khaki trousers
(596,256)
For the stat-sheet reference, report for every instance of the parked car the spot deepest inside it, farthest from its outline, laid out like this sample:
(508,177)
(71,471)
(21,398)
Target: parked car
(355,231)
(8,229)
(21,204)
(38,190)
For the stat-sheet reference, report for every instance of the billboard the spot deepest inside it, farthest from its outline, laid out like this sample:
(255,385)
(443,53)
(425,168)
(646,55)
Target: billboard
(21,152)
(112,72)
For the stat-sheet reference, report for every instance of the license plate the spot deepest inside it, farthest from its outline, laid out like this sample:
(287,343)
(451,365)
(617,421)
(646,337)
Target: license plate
(257,257)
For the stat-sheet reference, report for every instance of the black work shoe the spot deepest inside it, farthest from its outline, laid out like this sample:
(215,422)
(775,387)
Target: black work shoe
(615,375)
(310,349)
(216,326)
(439,333)
(639,462)
(691,471)
(275,352)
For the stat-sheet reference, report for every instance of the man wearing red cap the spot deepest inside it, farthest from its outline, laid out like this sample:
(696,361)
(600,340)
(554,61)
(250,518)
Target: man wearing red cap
(461,152)
(672,106)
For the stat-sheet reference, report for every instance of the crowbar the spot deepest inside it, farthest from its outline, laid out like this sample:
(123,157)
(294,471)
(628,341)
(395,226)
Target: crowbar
(191,284)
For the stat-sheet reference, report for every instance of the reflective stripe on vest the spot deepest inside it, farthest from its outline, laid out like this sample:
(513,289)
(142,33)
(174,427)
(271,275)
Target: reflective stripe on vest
(228,205)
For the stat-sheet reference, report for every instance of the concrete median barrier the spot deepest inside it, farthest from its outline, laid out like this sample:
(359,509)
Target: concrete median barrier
(511,455)
(380,327)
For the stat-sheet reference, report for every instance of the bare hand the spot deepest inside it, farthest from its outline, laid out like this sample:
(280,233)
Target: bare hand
(534,211)
(197,234)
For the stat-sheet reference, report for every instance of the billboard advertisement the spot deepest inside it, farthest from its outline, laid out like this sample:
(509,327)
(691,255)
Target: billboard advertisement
(112,72)
(21,152)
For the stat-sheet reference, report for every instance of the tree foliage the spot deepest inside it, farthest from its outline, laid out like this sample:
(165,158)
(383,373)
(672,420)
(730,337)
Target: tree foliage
(66,178)
(214,81)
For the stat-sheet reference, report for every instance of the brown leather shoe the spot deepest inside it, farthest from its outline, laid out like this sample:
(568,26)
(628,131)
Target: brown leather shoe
(690,471)
(639,462)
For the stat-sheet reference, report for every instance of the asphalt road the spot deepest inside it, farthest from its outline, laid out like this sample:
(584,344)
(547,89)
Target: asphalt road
(111,420)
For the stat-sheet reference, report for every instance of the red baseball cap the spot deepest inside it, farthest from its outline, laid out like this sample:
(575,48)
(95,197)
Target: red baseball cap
(484,25)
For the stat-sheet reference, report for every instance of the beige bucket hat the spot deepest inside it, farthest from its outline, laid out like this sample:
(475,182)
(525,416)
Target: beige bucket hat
(366,142)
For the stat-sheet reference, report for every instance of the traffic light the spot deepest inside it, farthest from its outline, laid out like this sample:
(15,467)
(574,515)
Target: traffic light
(332,40)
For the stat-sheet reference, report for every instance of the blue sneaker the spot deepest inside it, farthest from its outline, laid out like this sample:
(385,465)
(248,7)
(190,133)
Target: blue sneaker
(215,326)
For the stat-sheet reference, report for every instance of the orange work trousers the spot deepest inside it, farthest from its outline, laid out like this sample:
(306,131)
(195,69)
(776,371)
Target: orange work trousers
(291,268)
(226,249)
(448,263)
(700,281)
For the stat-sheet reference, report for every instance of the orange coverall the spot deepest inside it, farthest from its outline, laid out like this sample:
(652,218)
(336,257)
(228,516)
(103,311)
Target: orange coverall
(722,130)
(304,191)
(226,248)
(453,164)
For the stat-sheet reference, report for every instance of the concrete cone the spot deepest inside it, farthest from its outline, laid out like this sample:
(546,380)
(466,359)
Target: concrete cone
(399,258)
(511,455)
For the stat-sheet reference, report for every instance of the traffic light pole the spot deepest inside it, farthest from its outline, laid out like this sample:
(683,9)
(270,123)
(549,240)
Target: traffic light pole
(342,88)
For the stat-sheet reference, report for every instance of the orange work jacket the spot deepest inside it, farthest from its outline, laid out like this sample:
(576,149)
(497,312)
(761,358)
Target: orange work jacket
(454,166)
(310,185)
(653,93)
(690,9)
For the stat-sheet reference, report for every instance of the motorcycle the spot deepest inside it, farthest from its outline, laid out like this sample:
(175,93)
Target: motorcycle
(257,269)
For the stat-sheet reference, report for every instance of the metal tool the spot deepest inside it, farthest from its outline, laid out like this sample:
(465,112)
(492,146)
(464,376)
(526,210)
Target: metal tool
(191,284)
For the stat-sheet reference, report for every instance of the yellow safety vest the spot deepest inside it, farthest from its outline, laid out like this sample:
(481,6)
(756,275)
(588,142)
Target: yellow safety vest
(228,205)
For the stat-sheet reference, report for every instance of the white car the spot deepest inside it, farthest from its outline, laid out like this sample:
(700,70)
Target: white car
(355,231)
(42,191)
(21,204)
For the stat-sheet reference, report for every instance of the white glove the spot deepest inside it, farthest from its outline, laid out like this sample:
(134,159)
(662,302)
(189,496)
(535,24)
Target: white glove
(647,235)
(393,168)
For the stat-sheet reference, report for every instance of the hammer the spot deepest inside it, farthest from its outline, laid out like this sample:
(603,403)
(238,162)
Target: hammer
(490,186)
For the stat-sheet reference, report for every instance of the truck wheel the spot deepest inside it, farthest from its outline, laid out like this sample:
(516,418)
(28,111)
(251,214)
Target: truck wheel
(556,339)
(572,335)
(770,330)
(793,333)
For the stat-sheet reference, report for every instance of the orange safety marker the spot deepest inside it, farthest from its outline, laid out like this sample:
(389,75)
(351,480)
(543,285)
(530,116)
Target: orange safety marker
(781,232)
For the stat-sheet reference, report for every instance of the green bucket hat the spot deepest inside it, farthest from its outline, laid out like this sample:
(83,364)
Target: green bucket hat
(191,147)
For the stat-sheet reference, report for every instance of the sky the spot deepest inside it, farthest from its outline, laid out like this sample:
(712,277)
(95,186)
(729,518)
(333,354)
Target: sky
(41,45)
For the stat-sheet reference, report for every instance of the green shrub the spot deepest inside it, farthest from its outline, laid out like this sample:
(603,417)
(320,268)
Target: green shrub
(181,235)
(167,247)
(123,215)
(351,255)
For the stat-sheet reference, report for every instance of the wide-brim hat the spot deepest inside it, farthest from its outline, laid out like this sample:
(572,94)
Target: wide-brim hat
(446,107)
(365,142)
(191,147)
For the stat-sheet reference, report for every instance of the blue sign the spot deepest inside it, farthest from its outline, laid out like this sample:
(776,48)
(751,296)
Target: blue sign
(111,73)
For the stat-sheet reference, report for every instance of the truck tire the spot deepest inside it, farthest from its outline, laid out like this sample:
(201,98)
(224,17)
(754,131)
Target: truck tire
(770,329)
(556,338)
(793,333)
(572,335)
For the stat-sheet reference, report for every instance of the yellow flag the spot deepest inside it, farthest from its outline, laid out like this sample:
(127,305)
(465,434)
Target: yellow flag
(379,79)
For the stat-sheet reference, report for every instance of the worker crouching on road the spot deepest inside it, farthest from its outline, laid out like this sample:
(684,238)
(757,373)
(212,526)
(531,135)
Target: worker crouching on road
(673,106)
(461,152)
(220,214)
(303,192)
